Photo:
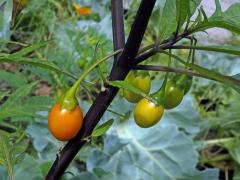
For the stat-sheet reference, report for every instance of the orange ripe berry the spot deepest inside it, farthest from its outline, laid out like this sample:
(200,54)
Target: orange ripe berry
(63,124)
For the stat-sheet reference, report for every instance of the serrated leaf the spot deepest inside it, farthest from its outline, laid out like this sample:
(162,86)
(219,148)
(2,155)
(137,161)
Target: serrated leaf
(28,50)
(28,108)
(31,61)
(214,48)
(14,80)
(12,107)
(102,129)
(6,153)
(128,86)
(210,73)
(17,95)
(228,19)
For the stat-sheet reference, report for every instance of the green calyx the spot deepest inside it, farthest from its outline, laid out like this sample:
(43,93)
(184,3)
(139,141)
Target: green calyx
(69,100)
(159,96)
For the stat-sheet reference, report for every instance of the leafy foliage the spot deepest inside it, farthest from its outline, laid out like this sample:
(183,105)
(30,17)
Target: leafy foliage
(11,107)
(227,20)
(184,141)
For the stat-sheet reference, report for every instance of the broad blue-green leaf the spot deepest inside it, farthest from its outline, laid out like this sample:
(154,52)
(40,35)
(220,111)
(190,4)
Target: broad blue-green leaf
(236,173)
(97,174)
(28,169)
(5,19)
(131,152)
(39,135)
(185,116)
(3,173)
(237,88)
(85,176)
(228,19)
(14,80)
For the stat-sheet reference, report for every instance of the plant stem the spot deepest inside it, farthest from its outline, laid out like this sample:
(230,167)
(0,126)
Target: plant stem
(205,72)
(169,69)
(69,101)
(104,98)
(221,157)
(217,141)
(90,69)
(208,48)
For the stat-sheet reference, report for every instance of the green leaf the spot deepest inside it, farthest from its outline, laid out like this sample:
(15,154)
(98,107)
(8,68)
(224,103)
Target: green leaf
(97,174)
(130,152)
(28,108)
(234,148)
(6,153)
(16,96)
(183,11)
(174,11)
(102,129)
(3,94)
(16,106)
(14,80)
(49,65)
(28,169)
(10,153)
(210,74)
(29,49)
(224,49)
(128,86)
(31,61)
(236,173)
(168,23)
(228,19)
(237,87)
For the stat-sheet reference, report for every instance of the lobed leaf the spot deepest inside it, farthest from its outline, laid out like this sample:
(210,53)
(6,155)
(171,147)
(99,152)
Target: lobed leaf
(228,19)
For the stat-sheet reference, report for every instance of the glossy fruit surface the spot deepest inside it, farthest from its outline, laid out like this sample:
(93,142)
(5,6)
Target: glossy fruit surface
(173,95)
(64,124)
(147,114)
(141,82)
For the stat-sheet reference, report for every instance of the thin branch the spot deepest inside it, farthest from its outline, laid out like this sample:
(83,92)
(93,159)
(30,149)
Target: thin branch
(209,48)
(103,100)
(118,25)
(169,69)
(154,49)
